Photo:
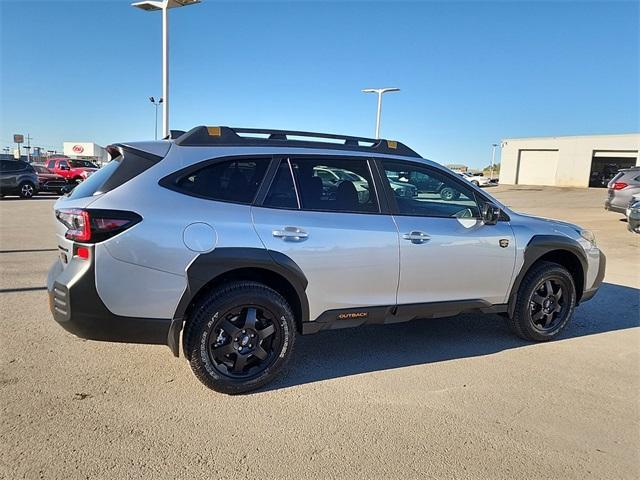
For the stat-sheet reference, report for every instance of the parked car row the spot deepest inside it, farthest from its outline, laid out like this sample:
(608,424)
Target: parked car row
(623,196)
(59,175)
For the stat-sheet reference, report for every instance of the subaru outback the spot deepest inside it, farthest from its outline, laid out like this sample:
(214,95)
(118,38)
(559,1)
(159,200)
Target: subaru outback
(226,245)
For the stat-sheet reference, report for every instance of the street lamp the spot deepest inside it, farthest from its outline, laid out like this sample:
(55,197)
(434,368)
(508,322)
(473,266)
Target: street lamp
(164,5)
(380,92)
(493,159)
(157,104)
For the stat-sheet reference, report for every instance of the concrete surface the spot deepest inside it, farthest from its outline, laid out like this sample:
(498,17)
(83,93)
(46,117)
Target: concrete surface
(451,398)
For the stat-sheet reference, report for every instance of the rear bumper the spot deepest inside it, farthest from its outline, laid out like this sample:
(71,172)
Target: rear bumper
(77,307)
(590,293)
(613,207)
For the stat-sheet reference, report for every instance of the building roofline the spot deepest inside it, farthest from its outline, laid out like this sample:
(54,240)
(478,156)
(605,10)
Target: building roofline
(629,134)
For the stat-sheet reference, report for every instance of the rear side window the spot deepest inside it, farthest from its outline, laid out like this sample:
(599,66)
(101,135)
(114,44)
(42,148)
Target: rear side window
(128,164)
(282,193)
(333,184)
(234,180)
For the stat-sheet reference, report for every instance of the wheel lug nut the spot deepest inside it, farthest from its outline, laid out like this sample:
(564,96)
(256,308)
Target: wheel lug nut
(250,345)
(244,331)
(253,335)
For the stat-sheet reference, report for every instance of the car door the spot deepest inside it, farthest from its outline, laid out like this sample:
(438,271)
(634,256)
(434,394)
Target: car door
(9,171)
(447,253)
(344,245)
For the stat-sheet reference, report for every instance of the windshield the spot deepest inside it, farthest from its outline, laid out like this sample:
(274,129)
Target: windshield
(82,164)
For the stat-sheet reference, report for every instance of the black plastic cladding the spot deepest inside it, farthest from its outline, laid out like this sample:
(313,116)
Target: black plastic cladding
(200,137)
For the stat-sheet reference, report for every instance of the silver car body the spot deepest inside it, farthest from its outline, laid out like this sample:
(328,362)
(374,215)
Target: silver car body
(152,257)
(618,199)
(350,260)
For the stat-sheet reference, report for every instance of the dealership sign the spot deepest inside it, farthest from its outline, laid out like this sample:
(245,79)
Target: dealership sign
(18,138)
(81,149)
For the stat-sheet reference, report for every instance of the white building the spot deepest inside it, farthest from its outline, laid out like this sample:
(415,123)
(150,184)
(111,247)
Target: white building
(575,161)
(86,151)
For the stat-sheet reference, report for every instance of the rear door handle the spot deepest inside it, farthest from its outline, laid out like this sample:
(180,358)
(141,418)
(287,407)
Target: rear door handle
(416,237)
(292,234)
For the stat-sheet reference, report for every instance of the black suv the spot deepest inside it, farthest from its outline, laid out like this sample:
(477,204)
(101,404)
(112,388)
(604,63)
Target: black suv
(17,178)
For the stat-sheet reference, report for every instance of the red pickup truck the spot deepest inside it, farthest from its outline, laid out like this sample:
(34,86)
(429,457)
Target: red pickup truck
(74,171)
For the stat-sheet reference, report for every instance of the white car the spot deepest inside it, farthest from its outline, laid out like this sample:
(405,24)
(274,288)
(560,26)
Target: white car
(478,181)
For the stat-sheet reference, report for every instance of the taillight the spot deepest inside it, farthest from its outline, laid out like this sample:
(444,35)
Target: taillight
(77,223)
(619,185)
(91,226)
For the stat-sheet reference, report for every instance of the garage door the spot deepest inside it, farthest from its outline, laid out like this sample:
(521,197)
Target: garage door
(537,167)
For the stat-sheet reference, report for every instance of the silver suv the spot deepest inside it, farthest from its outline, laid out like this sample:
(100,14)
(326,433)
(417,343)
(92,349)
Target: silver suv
(622,188)
(231,237)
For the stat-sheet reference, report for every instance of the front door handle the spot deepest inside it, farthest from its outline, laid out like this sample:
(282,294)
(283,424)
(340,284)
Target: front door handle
(292,234)
(416,237)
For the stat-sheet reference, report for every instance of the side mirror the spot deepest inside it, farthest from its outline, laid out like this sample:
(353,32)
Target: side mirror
(490,213)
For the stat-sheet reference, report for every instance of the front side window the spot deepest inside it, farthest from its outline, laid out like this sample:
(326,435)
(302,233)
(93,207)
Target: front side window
(63,164)
(51,164)
(234,180)
(426,192)
(335,184)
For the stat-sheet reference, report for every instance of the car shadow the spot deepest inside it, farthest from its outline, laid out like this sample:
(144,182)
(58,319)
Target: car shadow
(340,353)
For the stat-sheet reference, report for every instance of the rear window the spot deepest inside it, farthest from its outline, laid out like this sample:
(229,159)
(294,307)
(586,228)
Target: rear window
(129,164)
(234,180)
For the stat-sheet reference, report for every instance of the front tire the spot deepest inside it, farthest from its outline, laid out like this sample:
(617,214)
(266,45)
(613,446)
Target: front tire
(26,190)
(545,303)
(240,337)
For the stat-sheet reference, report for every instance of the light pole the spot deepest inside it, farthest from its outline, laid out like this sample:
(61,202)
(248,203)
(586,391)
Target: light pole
(493,159)
(156,103)
(164,5)
(380,92)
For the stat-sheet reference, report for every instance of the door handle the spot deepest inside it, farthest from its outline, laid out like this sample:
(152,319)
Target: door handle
(292,234)
(416,237)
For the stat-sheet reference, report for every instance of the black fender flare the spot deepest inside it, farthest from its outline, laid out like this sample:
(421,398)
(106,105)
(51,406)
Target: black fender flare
(209,266)
(538,246)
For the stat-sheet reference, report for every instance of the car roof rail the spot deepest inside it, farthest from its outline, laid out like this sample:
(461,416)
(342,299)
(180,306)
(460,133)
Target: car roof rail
(203,136)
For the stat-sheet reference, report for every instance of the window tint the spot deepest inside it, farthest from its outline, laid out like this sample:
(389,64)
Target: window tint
(335,184)
(63,163)
(51,164)
(229,181)
(282,193)
(422,191)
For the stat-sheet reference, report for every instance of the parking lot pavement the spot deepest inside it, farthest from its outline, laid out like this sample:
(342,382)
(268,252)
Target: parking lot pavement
(448,398)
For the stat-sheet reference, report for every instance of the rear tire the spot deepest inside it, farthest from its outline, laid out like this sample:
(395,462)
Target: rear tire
(26,190)
(545,303)
(240,337)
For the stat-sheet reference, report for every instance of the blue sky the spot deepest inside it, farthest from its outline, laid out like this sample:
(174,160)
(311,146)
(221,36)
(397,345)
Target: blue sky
(471,73)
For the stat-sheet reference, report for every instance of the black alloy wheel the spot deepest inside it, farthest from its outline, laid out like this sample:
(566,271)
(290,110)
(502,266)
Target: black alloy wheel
(545,302)
(239,336)
(244,340)
(548,305)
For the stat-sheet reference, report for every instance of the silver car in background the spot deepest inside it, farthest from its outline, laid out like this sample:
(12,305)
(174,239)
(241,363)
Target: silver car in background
(622,188)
